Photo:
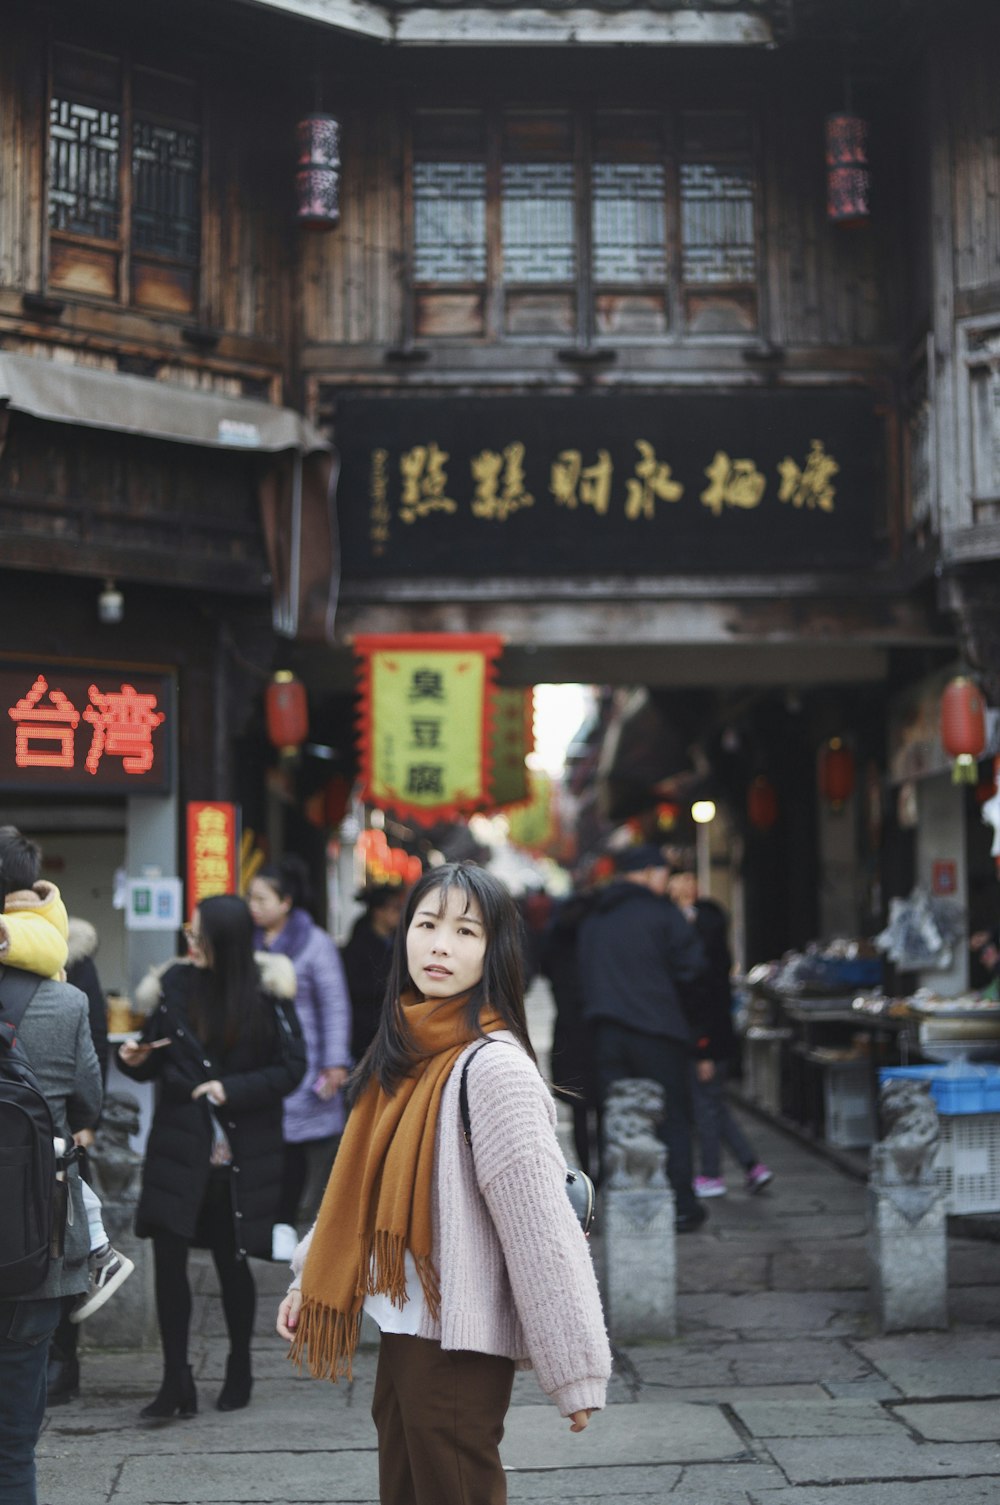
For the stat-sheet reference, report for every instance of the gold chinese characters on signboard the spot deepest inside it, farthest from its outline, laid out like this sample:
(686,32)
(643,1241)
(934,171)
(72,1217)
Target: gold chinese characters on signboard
(495,487)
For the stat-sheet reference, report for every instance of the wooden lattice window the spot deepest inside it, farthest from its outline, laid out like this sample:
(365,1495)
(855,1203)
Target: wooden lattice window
(718,228)
(559,224)
(124,185)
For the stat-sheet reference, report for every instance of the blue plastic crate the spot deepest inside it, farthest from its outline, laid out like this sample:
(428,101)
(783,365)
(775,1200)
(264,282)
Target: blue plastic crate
(976,1089)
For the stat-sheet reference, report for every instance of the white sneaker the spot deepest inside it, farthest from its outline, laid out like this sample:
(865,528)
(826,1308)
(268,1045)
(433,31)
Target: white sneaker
(108,1270)
(284,1241)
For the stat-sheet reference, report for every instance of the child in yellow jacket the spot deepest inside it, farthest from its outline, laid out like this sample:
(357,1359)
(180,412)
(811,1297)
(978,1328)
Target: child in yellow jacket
(33,930)
(33,937)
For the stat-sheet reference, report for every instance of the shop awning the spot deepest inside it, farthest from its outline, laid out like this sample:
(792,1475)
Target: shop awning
(63,393)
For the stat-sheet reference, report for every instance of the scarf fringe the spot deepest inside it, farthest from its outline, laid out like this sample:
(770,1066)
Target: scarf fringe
(430,1283)
(325,1340)
(383,1266)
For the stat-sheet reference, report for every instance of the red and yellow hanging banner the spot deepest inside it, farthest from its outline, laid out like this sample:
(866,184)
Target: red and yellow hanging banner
(513,740)
(427,703)
(212,837)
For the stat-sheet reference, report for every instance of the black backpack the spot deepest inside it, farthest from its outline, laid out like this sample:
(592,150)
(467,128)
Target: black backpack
(27,1153)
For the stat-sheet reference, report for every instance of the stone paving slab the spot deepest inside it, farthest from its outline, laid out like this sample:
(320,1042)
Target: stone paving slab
(650,1432)
(723,1395)
(938,1365)
(874,1388)
(814,1418)
(778,1360)
(954,1421)
(828,1265)
(619,1484)
(818,1460)
(722,1270)
(915,1492)
(782,1311)
(217,1478)
(817,1224)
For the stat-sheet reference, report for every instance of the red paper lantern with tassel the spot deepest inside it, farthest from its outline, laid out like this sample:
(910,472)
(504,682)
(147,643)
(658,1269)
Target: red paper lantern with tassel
(287,712)
(963,727)
(848,178)
(836,773)
(762,803)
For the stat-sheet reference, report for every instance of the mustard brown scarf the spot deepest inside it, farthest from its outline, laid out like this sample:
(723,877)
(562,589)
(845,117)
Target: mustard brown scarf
(377,1202)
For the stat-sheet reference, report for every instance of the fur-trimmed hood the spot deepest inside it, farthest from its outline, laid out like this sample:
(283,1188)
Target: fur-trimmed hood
(23,900)
(277,977)
(82,940)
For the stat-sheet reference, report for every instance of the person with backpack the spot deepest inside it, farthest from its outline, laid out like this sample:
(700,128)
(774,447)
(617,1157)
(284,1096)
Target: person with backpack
(50,1085)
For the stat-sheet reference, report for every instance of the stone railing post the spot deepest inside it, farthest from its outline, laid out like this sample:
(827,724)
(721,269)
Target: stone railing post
(637,1216)
(128,1319)
(907,1231)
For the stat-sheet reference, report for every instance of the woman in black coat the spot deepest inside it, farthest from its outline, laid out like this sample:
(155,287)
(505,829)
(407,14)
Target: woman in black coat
(224,1043)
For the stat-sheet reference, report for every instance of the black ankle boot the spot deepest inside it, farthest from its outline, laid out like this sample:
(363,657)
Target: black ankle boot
(177,1396)
(235,1393)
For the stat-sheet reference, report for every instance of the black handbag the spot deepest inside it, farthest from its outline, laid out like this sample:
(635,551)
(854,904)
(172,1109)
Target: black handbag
(579,1187)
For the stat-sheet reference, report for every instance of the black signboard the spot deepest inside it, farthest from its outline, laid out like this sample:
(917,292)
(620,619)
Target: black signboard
(761,481)
(79,730)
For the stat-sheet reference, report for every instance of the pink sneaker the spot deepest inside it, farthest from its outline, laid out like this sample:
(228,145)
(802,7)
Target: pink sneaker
(758,1177)
(709,1186)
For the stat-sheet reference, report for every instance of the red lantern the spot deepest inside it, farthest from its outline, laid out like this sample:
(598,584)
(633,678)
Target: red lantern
(836,773)
(287,712)
(414,869)
(848,179)
(762,803)
(963,727)
(317,181)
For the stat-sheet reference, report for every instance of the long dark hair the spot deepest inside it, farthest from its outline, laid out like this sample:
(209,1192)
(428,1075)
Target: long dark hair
(227,1004)
(392,1054)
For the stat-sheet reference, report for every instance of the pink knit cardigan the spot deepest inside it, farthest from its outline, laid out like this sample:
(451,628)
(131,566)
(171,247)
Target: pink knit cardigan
(515,1268)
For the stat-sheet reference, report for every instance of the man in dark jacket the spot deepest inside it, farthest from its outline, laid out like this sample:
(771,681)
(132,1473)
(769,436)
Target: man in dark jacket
(639,960)
(55,1035)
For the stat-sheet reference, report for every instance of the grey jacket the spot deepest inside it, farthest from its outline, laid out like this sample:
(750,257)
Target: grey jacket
(55,1036)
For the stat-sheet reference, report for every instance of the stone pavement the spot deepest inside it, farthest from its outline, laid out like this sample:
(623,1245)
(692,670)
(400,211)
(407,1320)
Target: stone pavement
(778,1390)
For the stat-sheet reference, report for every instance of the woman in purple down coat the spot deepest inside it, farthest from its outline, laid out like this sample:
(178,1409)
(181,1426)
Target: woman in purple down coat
(314,1112)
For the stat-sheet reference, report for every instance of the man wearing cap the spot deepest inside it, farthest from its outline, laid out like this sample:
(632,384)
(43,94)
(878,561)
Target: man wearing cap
(639,961)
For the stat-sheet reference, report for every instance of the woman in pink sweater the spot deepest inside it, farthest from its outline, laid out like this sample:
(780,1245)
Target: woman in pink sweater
(468,1256)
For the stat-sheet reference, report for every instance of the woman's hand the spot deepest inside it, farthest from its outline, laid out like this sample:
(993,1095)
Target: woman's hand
(578,1421)
(214,1091)
(288,1316)
(131,1053)
(329,1082)
(84,1139)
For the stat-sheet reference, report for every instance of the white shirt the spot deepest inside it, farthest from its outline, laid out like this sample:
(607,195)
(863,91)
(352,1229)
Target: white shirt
(406,1319)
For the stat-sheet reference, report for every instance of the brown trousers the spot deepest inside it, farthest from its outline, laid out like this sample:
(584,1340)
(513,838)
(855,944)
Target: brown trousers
(439,1415)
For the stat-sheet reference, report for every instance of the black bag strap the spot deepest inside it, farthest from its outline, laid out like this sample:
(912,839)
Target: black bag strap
(463,1090)
(17,989)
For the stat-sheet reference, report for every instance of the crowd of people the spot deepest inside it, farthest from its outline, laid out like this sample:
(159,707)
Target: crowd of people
(301,1088)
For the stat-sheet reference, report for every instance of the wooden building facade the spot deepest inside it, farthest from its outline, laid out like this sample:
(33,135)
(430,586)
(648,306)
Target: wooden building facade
(604,369)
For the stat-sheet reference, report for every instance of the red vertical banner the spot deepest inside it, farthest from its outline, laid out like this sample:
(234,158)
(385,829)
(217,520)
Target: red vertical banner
(513,740)
(426,722)
(212,846)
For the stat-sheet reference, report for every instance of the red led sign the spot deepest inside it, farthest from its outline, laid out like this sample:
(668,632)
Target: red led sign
(79,731)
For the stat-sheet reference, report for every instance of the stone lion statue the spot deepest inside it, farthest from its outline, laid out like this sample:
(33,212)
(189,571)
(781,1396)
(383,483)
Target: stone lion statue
(634,1155)
(116,1165)
(905,1156)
